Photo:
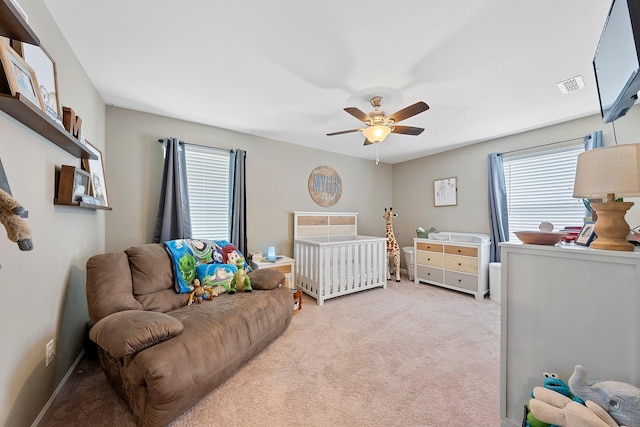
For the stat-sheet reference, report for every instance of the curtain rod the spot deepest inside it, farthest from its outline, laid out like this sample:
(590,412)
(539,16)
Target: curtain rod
(543,145)
(199,145)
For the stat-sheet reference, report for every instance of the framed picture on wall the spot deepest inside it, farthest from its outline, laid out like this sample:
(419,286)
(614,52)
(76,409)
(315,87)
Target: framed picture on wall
(96,174)
(45,68)
(445,192)
(19,75)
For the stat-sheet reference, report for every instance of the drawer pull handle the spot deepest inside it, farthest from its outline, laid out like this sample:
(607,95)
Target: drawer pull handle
(428,259)
(460,280)
(459,251)
(459,263)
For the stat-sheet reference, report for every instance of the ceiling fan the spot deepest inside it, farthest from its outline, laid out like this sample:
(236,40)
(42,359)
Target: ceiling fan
(379,125)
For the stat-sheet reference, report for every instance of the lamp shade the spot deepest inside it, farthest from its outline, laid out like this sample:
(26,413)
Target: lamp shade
(376,133)
(608,170)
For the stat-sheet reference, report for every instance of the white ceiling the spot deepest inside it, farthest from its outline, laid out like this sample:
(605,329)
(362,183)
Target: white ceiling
(284,69)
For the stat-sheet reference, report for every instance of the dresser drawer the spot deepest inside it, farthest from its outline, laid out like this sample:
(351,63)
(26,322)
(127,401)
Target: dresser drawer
(460,263)
(429,273)
(461,280)
(432,259)
(431,247)
(461,250)
(285,269)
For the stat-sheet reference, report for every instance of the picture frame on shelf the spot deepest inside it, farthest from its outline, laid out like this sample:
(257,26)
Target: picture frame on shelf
(95,168)
(45,68)
(73,183)
(19,76)
(445,192)
(587,234)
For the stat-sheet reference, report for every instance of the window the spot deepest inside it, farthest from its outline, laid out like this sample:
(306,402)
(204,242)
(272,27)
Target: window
(208,188)
(540,188)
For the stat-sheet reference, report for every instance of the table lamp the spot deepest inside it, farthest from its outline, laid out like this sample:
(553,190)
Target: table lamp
(607,173)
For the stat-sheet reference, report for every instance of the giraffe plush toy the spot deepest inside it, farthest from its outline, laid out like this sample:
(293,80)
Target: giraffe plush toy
(393,250)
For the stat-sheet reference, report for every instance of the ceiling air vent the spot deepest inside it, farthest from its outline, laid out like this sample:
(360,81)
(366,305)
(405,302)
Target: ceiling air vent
(571,85)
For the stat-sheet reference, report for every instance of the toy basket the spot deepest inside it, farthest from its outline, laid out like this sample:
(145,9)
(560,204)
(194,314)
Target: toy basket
(422,234)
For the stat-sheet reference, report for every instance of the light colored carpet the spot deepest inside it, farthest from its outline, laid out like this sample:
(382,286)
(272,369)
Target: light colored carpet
(408,355)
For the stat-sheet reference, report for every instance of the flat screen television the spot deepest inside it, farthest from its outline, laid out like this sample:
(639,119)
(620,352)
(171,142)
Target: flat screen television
(616,63)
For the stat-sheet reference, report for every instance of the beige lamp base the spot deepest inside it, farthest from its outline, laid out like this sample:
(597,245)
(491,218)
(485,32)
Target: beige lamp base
(611,228)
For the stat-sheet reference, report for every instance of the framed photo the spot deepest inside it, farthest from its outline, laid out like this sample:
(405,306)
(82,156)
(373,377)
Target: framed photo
(20,76)
(445,192)
(45,68)
(586,234)
(96,174)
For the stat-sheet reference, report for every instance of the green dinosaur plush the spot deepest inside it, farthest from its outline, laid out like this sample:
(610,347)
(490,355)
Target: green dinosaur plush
(241,280)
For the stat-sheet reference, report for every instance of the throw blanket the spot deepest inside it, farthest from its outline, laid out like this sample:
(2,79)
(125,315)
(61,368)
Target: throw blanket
(188,254)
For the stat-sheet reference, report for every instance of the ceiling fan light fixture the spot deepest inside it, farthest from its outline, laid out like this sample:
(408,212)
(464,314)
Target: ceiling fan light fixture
(376,133)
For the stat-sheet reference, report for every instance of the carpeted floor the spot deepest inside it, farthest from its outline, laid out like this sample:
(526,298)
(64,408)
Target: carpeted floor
(408,355)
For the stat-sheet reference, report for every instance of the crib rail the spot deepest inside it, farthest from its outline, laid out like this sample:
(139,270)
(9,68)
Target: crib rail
(331,269)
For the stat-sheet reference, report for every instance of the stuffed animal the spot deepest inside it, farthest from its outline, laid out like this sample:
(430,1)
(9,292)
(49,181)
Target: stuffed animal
(554,383)
(197,294)
(621,400)
(556,409)
(17,229)
(241,280)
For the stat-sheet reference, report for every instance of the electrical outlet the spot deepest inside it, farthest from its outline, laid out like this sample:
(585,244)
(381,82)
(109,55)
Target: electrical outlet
(49,353)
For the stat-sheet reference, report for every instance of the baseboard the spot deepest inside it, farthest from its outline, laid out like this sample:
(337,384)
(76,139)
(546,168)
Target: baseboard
(57,390)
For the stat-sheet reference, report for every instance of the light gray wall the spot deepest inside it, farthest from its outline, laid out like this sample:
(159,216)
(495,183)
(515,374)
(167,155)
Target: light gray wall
(42,292)
(277,176)
(413,180)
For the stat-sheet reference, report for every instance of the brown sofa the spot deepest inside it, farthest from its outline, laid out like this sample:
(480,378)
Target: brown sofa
(161,355)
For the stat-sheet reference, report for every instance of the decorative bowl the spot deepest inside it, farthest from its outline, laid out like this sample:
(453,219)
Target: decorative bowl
(539,237)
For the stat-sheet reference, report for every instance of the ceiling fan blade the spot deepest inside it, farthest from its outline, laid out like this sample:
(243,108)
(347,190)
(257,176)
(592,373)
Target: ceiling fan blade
(343,131)
(406,130)
(409,111)
(358,114)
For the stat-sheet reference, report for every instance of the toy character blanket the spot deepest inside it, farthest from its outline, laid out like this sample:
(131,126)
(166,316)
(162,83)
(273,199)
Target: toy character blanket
(188,254)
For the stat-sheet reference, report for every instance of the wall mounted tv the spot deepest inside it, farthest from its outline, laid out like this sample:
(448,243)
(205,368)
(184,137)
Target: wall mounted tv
(616,63)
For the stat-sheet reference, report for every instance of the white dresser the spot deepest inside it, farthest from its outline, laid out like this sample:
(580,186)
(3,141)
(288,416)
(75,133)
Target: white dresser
(461,266)
(562,306)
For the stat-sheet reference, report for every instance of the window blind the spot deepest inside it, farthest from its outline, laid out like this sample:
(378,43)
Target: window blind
(208,188)
(540,188)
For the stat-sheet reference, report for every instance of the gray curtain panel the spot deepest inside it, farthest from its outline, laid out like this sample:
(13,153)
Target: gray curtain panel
(498,216)
(173,220)
(238,200)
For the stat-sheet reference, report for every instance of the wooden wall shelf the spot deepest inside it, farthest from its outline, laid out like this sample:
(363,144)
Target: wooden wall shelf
(83,205)
(31,116)
(13,25)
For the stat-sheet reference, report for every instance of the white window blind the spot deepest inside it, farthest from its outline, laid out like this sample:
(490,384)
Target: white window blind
(540,188)
(208,187)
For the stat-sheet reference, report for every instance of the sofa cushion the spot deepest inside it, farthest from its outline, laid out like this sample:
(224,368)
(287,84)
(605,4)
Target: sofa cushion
(152,278)
(266,279)
(150,268)
(128,332)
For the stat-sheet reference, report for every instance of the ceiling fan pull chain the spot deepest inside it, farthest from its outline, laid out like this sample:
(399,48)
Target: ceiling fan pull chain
(377,159)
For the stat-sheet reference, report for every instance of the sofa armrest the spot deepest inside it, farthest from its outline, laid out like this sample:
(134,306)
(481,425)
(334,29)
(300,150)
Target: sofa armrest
(266,279)
(130,331)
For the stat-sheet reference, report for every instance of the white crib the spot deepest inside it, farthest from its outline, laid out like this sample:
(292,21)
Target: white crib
(332,260)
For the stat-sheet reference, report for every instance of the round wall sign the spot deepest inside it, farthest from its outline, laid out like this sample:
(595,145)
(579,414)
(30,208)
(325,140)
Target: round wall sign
(325,186)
